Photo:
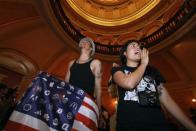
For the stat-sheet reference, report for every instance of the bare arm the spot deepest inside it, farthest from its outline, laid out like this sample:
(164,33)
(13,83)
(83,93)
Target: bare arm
(98,74)
(174,109)
(131,80)
(68,71)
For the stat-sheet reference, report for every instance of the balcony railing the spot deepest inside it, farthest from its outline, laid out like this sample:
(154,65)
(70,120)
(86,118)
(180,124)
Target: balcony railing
(186,11)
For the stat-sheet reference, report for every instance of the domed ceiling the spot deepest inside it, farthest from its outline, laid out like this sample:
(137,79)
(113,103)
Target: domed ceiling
(112,12)
(113,22)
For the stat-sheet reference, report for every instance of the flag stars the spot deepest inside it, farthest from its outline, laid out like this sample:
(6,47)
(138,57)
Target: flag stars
(59,111)
(27,107)
(47,92)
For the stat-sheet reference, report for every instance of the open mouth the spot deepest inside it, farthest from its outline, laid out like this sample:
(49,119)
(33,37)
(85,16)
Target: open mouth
(137,53)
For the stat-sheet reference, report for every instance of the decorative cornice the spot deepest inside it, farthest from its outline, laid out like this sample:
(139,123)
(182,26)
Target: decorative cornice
(115,21)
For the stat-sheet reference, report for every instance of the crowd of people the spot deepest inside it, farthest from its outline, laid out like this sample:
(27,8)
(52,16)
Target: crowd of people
(7,103)
(140,90)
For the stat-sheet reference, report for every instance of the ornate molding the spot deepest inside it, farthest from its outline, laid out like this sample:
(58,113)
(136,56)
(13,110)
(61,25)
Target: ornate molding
(156,41)
(18,62)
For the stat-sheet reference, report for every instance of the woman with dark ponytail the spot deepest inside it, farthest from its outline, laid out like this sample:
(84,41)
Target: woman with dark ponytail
(142,93)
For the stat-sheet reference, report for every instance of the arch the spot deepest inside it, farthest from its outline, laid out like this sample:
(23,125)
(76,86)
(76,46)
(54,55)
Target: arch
(18,62)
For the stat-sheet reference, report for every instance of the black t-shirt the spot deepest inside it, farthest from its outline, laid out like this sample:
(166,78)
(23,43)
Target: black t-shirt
(129,113)
(82,76)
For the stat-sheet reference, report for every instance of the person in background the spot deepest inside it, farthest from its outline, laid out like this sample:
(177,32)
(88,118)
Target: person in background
(7,103)
(106,117)
(112,88)
(86,72)
(142,93)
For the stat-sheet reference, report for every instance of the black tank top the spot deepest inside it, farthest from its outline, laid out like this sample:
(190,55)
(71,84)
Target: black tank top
(82,76)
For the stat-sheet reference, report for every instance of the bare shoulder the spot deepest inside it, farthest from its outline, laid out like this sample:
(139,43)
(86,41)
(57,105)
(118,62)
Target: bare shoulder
(96,68)
(96,62)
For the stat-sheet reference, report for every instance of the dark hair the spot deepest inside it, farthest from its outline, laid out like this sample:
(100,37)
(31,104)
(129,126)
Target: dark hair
(123,58)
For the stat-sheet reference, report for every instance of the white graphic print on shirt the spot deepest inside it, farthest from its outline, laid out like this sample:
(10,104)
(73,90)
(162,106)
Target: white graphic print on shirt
(146,83)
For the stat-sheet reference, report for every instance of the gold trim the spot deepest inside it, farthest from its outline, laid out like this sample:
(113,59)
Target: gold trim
(114,22)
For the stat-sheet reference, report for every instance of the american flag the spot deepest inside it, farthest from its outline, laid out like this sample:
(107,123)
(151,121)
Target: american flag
(50,104)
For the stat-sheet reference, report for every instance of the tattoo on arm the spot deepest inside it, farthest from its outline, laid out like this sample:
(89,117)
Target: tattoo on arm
(98,72)
(98,75)
(160,88)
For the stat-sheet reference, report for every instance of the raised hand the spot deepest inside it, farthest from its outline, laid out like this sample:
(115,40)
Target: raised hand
(144,56)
